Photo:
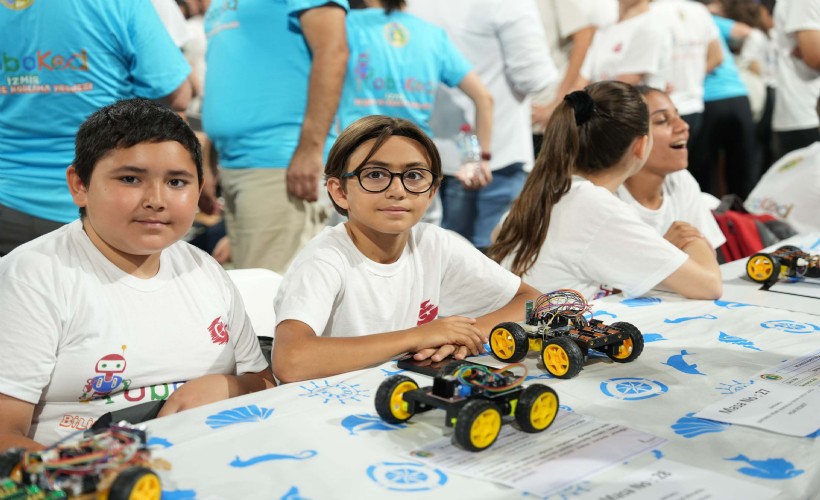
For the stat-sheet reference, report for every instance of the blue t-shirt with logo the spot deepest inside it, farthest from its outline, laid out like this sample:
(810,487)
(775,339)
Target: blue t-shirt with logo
(60,62)
(396,63)
(724,82)
(257,80)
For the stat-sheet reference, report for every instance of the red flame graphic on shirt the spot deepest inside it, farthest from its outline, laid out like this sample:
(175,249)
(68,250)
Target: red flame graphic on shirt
(219,332)
(427,312)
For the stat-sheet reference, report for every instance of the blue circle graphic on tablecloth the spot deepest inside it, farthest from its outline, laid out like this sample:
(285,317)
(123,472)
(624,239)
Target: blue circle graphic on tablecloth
(341,392)
(406,476)
(632,388)
(789,326)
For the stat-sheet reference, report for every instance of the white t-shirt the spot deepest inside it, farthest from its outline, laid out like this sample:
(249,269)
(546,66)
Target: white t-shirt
(561,19)
(692,30)
(757,47)
(798,86)
(790,190)
(639,45)
(505,43)
(337,291)
(597,243)
(681,202)
(82,338)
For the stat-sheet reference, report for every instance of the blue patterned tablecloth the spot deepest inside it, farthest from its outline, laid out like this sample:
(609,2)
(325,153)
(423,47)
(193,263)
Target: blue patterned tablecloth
(322,439)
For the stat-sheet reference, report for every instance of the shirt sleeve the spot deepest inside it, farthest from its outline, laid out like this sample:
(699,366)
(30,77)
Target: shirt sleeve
(30,337)
(644,257)
(802,15)
(473,284)
(527,62)
(308,293)
(248,354)
(647,54)
(157,66)
(454,66)
(297,7)
(571,17)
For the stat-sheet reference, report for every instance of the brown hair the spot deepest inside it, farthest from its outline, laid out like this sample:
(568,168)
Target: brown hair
(381,128)
(590,131)
(389,5)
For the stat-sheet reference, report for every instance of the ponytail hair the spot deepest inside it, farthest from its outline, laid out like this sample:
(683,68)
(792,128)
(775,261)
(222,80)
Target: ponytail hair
(590,131)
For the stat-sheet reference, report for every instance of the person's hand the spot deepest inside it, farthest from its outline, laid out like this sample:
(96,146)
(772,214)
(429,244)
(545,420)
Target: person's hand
(454,335)
(303,174)
(222,250)
(476,177)
(682,233)
(197,392)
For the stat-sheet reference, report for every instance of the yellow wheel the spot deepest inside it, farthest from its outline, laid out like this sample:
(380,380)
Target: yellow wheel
(477,425)
(536,408)
(562,357)
(390,403)
(509,342)
(629,348)
(763,268)
(136,483)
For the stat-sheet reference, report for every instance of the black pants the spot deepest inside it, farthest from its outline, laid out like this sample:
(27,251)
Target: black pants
(795,139)
(17,228)
(728,129)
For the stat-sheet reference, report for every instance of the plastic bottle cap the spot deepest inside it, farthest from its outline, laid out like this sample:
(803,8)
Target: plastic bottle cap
(466,128)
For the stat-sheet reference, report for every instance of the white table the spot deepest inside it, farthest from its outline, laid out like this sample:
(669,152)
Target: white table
(322,439)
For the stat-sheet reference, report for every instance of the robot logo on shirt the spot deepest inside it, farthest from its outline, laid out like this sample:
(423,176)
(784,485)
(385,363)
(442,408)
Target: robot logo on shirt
(396,35)
(427,312)
(107,379)
(16,4)
(219,332)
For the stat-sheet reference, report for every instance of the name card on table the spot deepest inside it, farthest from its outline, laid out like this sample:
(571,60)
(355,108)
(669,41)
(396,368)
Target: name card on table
(784,399)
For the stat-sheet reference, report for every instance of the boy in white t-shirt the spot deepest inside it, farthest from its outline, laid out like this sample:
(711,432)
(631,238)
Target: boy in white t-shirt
(382,284)
(113,309)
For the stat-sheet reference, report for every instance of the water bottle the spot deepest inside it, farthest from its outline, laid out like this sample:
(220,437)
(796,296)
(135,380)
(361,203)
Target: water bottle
(470,153)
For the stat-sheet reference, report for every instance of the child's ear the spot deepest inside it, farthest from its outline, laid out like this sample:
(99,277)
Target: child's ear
(643,146)
(79,191)
(337,192)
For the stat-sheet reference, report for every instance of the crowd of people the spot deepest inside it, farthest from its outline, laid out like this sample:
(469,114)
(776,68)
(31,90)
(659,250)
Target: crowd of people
(326,135)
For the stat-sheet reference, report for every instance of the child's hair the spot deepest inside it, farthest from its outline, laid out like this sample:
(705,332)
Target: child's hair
(125,124)
(389,5)
(381,128)
(744,11)
(590,131)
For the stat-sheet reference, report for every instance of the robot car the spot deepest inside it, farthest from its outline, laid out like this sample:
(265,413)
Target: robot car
(555,325)
(786,262)
(108,463)
(476,399)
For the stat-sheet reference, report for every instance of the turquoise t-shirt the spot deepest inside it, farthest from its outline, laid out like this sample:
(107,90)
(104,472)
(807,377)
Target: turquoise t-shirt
(724,81)
(396,63)
(60,62)
(256,85)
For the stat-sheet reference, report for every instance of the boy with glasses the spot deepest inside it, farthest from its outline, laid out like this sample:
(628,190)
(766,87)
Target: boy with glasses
(382,284)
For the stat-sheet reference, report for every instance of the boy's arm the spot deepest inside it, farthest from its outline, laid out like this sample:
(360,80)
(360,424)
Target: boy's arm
(15,421)
(299,354)
(215,387)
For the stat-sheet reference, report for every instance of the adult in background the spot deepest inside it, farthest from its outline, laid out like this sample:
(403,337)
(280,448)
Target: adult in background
(797,36)
(274,76)
(505,43)
(57,70)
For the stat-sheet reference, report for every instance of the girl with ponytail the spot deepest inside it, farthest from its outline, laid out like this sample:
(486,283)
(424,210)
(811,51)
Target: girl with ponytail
(567,229)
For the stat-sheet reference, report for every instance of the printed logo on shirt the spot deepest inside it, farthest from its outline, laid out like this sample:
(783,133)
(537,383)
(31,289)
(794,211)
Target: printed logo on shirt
(219,332)
(16,4)
(109,378)
(45,60)
(604,291)
(427,312)
(790,164)
(618,47)
(394,91)
(770,206)
(396,35)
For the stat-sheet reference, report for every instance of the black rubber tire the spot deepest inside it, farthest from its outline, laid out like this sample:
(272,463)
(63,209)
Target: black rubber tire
(520,342)
(385,395)
(529,402)
(572,358)
(635,336)
(10,460)
(467,416)
(132,478)
(451,367)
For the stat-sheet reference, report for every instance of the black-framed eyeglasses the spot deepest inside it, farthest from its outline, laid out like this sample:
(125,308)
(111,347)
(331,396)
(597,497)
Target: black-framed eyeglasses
(378,179)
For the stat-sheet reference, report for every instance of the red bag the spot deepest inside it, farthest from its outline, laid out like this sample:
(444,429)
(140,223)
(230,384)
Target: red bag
(743,233)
